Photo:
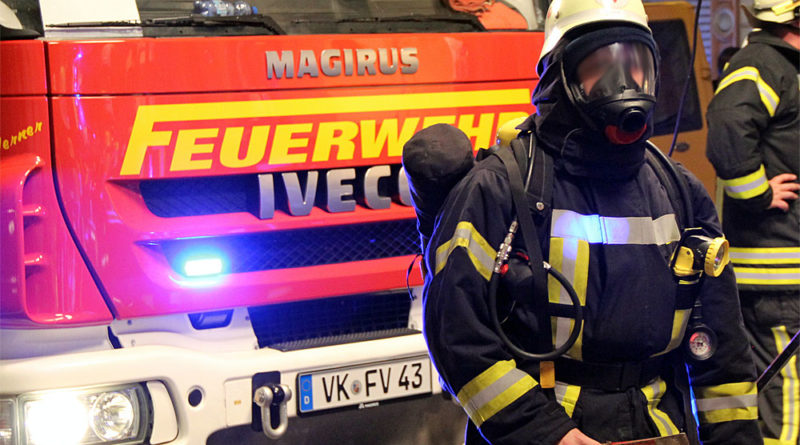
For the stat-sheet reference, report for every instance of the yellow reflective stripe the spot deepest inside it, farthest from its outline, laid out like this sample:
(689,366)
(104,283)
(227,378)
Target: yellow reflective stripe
(767,94)
(727,415)
(790,390)
(725,390)
(479,251)
(767,249)
(567,396)
(653,392)
(570,256)
(770,441)
(767,276)
(494,389)
(765,255)
(723,403)
(747,186)
(679,321)
(747,179)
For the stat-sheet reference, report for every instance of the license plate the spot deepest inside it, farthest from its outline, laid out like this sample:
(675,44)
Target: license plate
(363,385)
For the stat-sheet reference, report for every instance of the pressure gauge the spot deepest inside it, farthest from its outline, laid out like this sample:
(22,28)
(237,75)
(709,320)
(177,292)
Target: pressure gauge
(702,342)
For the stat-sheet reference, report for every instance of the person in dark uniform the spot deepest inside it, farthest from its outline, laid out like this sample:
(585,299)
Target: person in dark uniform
(609,226)
(754,145)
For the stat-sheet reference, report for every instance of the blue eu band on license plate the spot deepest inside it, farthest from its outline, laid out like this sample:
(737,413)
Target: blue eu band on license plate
(363,385)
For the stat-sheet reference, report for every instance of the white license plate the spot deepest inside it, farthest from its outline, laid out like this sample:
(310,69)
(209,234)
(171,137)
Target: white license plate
(363,385)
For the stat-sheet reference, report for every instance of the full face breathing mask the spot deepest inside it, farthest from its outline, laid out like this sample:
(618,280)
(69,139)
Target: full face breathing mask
(612,84)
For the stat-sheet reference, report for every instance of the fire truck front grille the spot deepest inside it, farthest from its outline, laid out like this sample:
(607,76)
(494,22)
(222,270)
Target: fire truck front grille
(301,248)
(169,198)
(314,323)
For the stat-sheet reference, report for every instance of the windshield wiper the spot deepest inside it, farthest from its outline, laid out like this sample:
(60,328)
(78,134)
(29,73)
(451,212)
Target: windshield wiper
(95,24)
(462,20)
(236,20)
(402,18)
(261,21)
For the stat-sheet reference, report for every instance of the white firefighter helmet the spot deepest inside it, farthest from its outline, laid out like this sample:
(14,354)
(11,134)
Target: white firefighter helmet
(564,15)
(775,11)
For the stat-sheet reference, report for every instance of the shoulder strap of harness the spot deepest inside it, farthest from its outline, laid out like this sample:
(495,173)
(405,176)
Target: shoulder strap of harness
(674,182)
(540,187)
(521,156)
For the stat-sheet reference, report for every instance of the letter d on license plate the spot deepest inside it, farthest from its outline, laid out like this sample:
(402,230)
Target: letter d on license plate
(335,388)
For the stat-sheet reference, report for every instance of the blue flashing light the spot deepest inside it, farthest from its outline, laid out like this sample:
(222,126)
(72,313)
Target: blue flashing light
(202,267)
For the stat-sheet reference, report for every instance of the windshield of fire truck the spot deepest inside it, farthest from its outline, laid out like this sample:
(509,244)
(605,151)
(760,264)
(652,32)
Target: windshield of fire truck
(346,16)
(353,16)
(174,18)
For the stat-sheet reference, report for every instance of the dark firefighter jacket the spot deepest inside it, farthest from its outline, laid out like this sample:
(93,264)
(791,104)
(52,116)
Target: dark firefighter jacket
(612,238)
(754,135)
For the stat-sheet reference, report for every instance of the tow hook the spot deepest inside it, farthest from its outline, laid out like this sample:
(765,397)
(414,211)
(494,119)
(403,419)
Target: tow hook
(272,396)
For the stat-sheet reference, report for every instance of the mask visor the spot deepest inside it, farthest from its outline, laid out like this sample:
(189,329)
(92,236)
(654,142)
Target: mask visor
(615,69)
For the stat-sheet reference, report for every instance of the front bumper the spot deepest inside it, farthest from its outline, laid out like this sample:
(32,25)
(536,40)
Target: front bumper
(175,376)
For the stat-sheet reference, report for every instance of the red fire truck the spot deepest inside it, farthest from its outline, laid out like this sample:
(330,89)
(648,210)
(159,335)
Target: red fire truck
(205,226)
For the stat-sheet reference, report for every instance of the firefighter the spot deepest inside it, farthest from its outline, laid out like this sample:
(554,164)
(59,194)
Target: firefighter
(754,145)
(607,224)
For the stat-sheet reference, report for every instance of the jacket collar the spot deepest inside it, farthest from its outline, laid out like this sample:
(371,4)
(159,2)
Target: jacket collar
(767,38)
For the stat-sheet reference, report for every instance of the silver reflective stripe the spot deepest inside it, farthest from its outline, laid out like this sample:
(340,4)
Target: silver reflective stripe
(653,392)
(567,396)
(726,402)
(768,96)
(790,390)
(571,257)
(753,275)
(742,189)
(493,390)
(479,252)
(560,391)
(568,264)
(747,186)
(743,401)
(596,229)
(489,393)
(765,255)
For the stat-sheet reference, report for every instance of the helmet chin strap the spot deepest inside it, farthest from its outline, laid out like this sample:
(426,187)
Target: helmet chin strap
(618,136)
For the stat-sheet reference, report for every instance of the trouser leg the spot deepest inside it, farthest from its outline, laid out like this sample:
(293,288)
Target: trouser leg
(771,319)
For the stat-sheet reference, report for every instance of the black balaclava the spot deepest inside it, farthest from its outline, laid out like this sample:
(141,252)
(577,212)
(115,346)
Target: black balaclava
(570,130)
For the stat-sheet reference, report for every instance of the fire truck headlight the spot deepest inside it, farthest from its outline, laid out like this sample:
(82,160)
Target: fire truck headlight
(7,421)
(54,418)
(113,416)
(84,417)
